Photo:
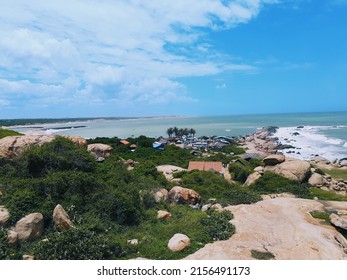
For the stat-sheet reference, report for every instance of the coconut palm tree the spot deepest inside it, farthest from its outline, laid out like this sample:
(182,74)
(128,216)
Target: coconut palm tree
(192,132)
(170,131)
(175,131)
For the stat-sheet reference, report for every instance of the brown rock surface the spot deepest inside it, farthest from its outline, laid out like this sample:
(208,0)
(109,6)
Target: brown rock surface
(293,169)
(100,150)
(317,180)
(183,195)
(30,227)
(4,216)
(163,215)
(61,219)
(274,159)
(252,178)
(178,242)
(282,226)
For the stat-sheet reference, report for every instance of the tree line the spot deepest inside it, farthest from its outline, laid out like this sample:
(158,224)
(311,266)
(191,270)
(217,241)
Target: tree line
(179,132)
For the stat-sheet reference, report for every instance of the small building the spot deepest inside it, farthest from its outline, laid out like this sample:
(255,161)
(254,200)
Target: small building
(206,166)
(124,142)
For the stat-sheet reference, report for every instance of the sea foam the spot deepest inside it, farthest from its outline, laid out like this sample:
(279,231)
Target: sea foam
(309,141)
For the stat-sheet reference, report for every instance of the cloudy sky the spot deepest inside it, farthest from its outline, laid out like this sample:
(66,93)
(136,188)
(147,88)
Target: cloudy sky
(92,58)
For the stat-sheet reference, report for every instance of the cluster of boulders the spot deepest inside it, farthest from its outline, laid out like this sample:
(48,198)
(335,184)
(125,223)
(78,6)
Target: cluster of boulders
(12,146)
(177,195)
(31,226)
(297,170)
(261,140)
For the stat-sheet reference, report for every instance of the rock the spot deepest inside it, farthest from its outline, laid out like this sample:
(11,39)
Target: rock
(293,169)
(217,207)
(100,150)
(338,221)
(161,195)
(133,241)
(282,226)
(320,159)
(179,195)
(179,242)
(274,159)
(80,141)
(259,169)
(252,178)
(61,219)
(28,257)
(12,237)
(317,180)
(163,215)
(4,216)
(1,194)
(169,170)
(206,207)
(30,227)
(343,162)
(11,146)
(100,159)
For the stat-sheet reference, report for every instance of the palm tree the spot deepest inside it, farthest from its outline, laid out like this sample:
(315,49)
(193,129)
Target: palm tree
(175,131)
(170,131)
(192,132)
(185,131)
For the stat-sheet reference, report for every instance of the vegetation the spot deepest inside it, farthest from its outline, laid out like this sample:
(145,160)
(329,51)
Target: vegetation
(321,215)
(240,169)
(179,132)
(217,225)
(262,255)
(273,183)
(325,195)
(336,173)
(7,132)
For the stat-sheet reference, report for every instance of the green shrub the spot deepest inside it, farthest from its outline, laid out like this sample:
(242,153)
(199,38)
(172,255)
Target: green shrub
(7,132)
(74,244)
(274,183)
(217,225)
(262,255)
(239,172)
(326,195)
(59,155)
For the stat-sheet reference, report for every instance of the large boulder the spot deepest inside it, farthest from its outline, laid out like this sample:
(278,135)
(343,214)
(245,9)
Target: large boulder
(179,242)
(161,195)
(292,169)
(12,237)
(179,195)
(338,221)
(13,145)
(100,150)
(252,178)
(4,216)
(317,180)
(274,159)
(163,215)
(61,219)
(30,227)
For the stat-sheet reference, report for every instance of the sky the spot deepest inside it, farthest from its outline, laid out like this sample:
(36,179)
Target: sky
(109,58)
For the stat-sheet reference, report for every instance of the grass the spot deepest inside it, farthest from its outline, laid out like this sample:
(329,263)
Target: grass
(325,195)
(262,255)
(322,215)
(336,173)
(7,132)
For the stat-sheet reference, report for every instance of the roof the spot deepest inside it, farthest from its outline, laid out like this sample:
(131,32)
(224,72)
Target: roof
(205,166)
(133,146)
(124,142)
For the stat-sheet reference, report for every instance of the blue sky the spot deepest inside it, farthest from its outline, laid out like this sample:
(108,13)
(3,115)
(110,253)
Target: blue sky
(97,58)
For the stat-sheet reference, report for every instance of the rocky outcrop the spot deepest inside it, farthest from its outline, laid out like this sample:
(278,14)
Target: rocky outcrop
(12,237)
(163,215)
(252,178)
(179,242)
(317,180)
(161,195)
(282,226)
(274,159)
(61,219)
(30,227)
(338,221)
(4,216)
(169,170)
(179,195)
(13,145)
(292,169)
(28,257)
(100,150)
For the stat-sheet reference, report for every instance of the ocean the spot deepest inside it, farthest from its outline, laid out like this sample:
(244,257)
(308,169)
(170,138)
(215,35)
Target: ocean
(319,133)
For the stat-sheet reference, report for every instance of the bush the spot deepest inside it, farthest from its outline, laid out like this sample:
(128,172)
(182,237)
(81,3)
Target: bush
(273,183)
(239,171)
(59,155)
(7,132)
(217,226)
(74,244)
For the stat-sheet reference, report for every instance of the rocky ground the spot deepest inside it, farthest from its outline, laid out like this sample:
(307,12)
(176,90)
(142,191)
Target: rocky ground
(283,227)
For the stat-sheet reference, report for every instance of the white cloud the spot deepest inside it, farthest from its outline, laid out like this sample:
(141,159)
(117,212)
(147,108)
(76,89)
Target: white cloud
(55,51)
(221,86)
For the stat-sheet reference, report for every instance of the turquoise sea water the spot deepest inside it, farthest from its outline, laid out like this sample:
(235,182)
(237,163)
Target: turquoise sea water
(321,129)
